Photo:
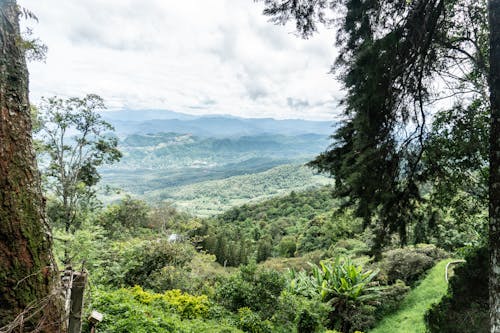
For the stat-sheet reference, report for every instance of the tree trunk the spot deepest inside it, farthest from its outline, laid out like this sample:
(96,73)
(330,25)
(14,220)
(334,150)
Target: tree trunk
(27,270)
(494,211)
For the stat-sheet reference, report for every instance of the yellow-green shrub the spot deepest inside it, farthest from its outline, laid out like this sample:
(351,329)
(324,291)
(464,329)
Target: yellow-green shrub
(186,305)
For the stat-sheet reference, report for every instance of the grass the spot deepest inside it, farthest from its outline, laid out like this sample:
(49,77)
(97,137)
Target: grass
(410,316)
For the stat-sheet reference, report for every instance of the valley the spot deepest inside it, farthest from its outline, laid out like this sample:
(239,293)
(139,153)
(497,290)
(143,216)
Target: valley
(207,175)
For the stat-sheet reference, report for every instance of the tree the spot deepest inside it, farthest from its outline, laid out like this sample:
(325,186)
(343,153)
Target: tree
(76,141)
(392,54)
(494,181)
(28,273)
(125,218)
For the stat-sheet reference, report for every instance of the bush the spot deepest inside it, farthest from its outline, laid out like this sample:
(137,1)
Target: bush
(138,311)
(187,306)
(465,308)
(153,264)
(251,322)
(287,246)
(87,245)
(125,218)
(343,286)
(307,322)
(390,298)
(410,263)
(256,289)
(297,312)
(348,247)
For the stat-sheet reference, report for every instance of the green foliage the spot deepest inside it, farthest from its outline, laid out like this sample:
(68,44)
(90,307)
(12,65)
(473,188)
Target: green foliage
(344,287)
(256,289)
(34,49)
(288,226)
(410,263)
(460,183)
(465,307)
(287,246)
(390,299)
(335,283)
(410,314)
(125,218)
(155,264)
(307,322)
(251,322)
(295,312)
(87,246)
(187,306)
(350,247)
(379,156)
(76,142)
(166,218)
(135,310)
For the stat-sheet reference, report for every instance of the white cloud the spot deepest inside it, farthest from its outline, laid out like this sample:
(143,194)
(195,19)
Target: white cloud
(192,56)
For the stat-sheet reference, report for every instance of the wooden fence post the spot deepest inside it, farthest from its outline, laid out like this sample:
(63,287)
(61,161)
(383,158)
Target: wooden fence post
(75,314)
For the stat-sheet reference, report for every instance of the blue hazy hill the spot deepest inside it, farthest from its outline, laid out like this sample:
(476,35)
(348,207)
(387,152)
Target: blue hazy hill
(128,122)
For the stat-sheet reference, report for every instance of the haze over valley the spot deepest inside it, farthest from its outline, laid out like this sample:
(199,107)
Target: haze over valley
(206,164)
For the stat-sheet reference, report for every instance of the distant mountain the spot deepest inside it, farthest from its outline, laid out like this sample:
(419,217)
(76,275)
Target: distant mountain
(163,160)
(128,122)
(166,152)
(171,150)
(143,115)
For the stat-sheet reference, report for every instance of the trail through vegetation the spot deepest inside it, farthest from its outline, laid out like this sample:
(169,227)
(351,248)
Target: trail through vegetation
(410,317)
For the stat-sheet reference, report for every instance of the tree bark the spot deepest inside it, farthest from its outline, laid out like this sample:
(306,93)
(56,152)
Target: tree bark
(27,270)
(494,190)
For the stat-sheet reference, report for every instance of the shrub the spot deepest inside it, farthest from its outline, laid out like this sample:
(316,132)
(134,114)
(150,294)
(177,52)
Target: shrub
(410,263)
(465,307)
(155,256)
(297,312)
(257,289)
(343,286)
(251,322)
(348,247)
(187,306)
(287,246)
(152,264)
(307,322)
(125,217)
(139,311)
(390,298)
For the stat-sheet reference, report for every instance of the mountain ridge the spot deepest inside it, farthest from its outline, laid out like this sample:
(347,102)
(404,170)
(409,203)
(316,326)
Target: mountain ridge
(128,122)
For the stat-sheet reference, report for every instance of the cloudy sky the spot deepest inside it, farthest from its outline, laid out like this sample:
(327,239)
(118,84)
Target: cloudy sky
(191,56)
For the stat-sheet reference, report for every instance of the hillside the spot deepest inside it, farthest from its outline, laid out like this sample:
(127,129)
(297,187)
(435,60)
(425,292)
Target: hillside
(159,165)
(285,226)
(410,316)
(215,196)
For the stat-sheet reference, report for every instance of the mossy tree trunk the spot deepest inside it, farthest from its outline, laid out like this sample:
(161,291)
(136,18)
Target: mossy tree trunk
(27,270)
(494,232)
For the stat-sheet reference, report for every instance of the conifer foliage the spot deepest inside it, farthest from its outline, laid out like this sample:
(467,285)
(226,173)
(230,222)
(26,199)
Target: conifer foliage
(397,59)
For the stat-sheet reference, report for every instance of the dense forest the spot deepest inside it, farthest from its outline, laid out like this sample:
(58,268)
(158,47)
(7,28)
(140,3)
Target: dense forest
(391,228)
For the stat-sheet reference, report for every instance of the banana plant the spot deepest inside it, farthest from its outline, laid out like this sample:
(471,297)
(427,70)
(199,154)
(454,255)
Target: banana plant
(336,283)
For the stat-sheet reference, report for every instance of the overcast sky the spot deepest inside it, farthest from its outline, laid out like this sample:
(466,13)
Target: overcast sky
(191,56)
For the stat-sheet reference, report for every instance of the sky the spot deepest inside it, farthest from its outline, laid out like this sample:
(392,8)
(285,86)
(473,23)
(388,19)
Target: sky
(190,56)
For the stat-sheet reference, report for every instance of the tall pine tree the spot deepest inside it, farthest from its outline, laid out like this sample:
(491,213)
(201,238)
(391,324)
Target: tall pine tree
(28,301)
(494,212)
(393,56)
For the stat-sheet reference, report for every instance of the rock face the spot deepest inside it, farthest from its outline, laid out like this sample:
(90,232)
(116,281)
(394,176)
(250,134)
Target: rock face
(27,270)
